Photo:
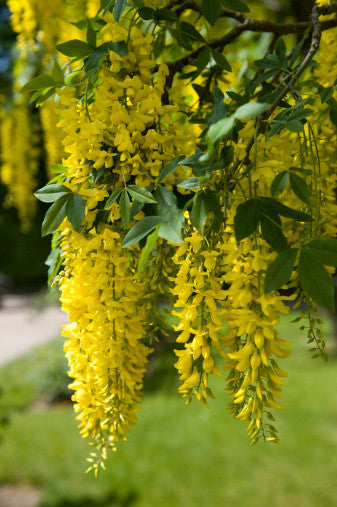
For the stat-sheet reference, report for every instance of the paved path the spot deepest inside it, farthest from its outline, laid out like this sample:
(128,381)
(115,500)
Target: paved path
(22,327)
(19,495)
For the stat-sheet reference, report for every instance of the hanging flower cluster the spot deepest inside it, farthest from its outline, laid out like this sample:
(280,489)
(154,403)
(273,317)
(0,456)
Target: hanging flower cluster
(117,143)
(187,188)
(20,152)
(46,23)
(199,300)
(39,26)
(106,356)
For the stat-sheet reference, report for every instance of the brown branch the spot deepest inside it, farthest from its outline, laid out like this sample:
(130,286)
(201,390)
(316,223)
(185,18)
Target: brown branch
(330,8)
(327,9)
(248,25)
(189,59)
(258,25)
(314,46)
(188,5)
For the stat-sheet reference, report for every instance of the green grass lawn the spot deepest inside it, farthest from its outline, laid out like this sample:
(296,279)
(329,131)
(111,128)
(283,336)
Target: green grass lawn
(190,456)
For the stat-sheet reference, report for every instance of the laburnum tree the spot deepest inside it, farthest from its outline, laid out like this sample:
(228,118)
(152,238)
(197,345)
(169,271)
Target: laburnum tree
(193,150)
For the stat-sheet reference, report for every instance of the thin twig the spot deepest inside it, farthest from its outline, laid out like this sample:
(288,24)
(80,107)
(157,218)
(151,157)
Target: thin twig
(330,8)
(248,25)
(314,46)
(269,51)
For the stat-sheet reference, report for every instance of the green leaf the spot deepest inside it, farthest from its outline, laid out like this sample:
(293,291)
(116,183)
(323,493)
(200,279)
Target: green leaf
(119,9)
(40,82)
(159,43)
(300,188)
(206,160)
(333,115)
(279,271)
(219,130)
(189,183)
(59,178)
(202,92)
(136,207)
(214,205)
(147,13)
(269,62)
(300,170)
(141,229)
(203,59)
(294,126)
(246,219)
(140,194)
(170,168)
(297,49)
(250,110)
(73,78)
(315,280)
(326,95)
(166,205)
(193,161)
(271,227)
(57,72)
(325,250)
(75,48)
(165,14)
(285,211)
(220,108)
(276,128)
(301,113)
(35,96)
(57,168)
(236,97)
(54,216)
(227,156)
(221,60)
(54,262)
(189,31)
(150,243)
(235,5)
(51,193)
(200,210)
(75,209)
(97,23)
(279,183)
(211,10)
(81,24)
(113,197)
(171,230)
(106,5)
(281,50)
(124,208)
(156,14)
(92,62)
(120,48)
(91,36)
(263,77)
(45,95)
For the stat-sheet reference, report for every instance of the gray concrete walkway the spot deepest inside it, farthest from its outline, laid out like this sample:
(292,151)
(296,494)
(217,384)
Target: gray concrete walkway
(22,327)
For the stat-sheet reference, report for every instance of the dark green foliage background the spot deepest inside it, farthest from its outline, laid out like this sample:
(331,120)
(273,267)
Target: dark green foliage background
(22,255)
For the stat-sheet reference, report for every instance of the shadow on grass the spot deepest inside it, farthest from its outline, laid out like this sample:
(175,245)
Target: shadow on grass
(161,375)
(112,500)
